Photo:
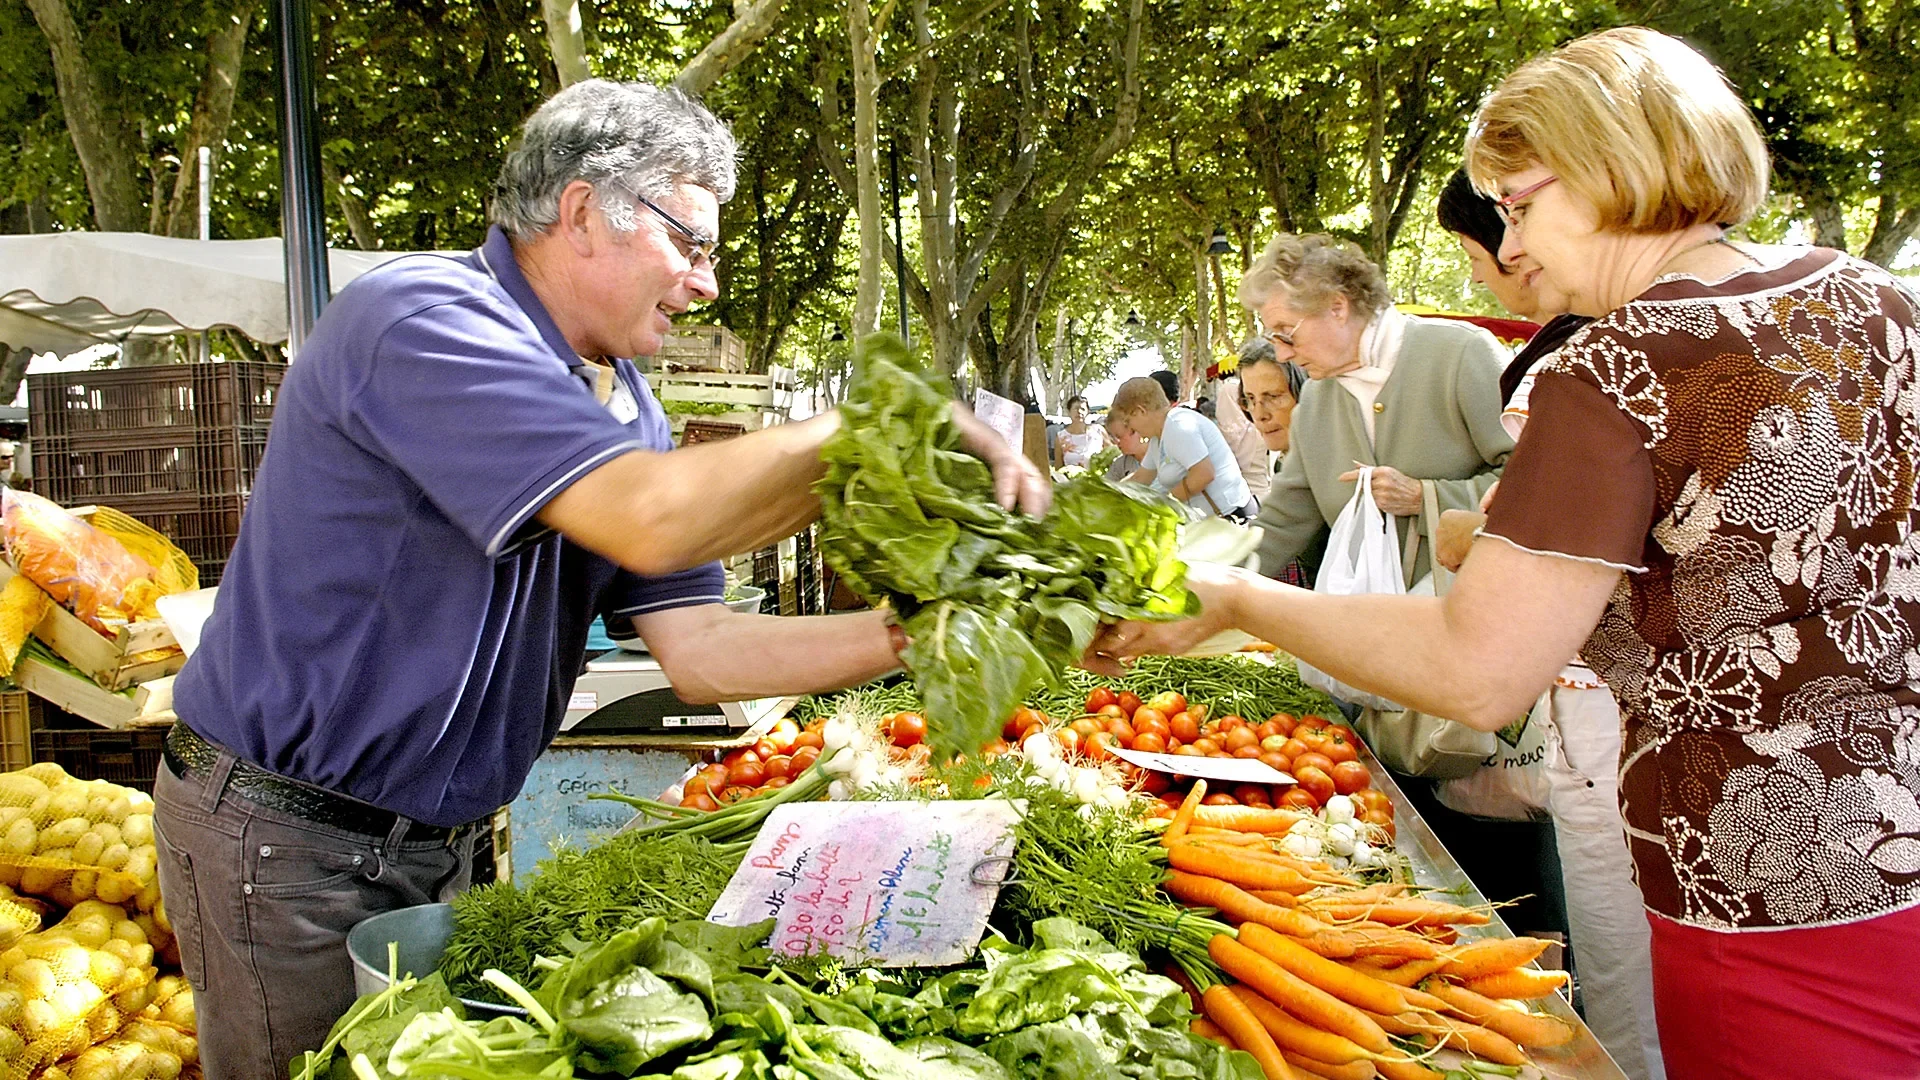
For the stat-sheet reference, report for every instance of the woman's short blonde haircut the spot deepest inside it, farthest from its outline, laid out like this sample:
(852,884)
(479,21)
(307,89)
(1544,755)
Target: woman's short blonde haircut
(1136,396)
(1311,270)
(1634,122)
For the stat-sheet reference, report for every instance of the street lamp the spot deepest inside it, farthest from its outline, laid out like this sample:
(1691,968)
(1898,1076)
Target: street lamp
(1133,318)
(836,335)
(1218,244)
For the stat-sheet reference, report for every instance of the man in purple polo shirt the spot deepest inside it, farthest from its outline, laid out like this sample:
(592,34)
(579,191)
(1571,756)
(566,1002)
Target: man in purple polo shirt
(464,470)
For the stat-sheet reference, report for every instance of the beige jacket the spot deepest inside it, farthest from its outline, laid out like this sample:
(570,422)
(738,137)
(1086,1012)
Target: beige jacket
(1437,418)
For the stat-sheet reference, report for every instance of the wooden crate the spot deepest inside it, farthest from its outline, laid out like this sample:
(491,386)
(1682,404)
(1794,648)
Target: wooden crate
(705,348)
(114,663)
(82,697)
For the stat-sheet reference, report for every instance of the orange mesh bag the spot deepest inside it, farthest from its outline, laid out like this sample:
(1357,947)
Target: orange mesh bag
(70,840)
(79,566)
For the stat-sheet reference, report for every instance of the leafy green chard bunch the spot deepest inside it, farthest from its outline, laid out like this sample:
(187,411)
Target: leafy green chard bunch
(995,603)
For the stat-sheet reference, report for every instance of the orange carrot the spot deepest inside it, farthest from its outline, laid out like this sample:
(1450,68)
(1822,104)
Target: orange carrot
(1211,1031)
(1531,1030)
(1402,973)
(1253,819)
(1374,940)
(1395,1065)
(1326,1070)
(1518,983)
(1184,819)
(1488,955)
(1238,907)
(1420,999)
(1407,1023)
(1294,994)
(1479,1041)
(1404,911)
(1227,837)
(1226,1009)
(1299,1037)
(1349,986)
(1275,896)
(1229,864)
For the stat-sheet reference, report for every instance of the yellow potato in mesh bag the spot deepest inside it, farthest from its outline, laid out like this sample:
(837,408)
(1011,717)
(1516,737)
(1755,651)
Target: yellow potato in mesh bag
(22,605)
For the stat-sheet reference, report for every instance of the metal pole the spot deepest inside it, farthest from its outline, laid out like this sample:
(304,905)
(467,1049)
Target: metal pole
(899,247)
(303,224)
(206,228)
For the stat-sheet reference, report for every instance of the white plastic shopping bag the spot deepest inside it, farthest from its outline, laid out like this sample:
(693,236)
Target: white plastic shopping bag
(1363,556)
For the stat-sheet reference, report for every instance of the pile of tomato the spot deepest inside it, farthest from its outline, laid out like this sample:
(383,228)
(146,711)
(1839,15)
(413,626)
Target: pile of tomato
(777,758)
(1322,757)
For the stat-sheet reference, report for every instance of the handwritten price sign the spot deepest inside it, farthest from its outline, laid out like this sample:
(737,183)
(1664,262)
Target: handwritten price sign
(885,884)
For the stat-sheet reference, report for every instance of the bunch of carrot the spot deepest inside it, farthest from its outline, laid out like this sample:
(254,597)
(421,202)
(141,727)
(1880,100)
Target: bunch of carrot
(1338,981)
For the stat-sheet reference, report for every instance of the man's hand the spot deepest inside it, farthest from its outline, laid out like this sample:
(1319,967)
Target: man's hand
(1394,492)
(1453,537)
(1218,588)
(1017,482)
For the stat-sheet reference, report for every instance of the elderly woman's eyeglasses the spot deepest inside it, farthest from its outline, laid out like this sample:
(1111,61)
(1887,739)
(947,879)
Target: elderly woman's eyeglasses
(699,245)
(1508,206)
(1282,335)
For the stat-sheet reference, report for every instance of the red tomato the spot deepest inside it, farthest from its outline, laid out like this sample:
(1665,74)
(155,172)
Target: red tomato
(1150,742)
(1205,746)
(1277,761)
(1219,798)
(1173,799)
(1296,799)
(1380,818)
(1100,698)
(1374,799)
(1189,750)
(1159,727)
(747,774)
(1122,731)
(1312,722)
(1252,795)
(776,783)
(907,729)
(1274,744)
(1269,730)
(1248,752)
(1182,726)
(1314,739)
(1069,740)
(1239,738)
(1284,719)
(803,759)
(1293,748)
(1100,745)
(1112,712)
(1128,702)
(1013,729)
(1340,750)
(1315,780)
(779,766)
(1168,702)
(765,747)
(735,794)
(702,801)
(1145,714)
(1197,710)
(734,757)
(810,737)
(1155,783)
(1313,760)
(784,731)
(1230,721)
(697,784)
(1350,776)
(1087,725)
(1344,732)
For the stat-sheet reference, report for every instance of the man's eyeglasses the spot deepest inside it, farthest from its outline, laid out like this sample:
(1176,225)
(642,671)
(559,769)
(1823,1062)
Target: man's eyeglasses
(699,245)
(1510,211)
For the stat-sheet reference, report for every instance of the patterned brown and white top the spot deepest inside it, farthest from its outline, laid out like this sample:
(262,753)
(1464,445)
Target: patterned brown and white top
(1748,448)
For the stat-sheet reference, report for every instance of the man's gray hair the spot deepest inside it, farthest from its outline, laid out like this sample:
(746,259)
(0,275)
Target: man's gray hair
(620,137)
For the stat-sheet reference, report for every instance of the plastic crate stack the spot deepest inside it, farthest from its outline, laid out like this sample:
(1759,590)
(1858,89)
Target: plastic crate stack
(175,446)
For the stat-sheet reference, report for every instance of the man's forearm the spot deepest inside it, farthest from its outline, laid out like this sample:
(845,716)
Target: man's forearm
(734,657)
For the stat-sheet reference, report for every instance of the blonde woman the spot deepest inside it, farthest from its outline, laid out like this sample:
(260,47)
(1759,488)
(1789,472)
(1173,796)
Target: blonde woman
(1715,494)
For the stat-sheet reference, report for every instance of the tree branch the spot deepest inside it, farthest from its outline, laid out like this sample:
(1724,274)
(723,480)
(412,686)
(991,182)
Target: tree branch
(734,44)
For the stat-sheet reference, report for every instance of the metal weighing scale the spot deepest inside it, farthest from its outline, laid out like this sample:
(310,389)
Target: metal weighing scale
(626,693)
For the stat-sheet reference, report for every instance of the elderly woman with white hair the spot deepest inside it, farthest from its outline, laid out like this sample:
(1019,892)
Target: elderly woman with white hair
(1417,399)
(1716,494)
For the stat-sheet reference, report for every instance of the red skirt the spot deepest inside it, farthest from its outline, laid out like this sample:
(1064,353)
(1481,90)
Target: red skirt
(1838,1001)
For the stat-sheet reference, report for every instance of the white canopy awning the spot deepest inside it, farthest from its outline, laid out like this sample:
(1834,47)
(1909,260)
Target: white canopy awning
(60,292)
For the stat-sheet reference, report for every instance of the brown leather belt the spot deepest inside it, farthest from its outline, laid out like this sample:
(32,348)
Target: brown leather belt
(187,752)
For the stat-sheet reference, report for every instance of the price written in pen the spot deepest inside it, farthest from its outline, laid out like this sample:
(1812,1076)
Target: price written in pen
(871,883)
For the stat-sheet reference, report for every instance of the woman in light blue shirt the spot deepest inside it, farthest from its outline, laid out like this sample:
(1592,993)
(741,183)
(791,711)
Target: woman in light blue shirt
(1187,457)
